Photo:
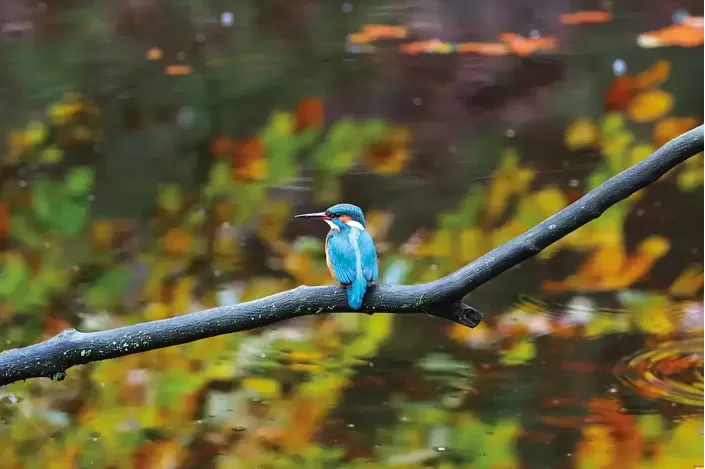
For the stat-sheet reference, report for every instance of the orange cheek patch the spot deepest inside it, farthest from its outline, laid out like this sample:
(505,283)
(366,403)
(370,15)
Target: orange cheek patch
(344,219)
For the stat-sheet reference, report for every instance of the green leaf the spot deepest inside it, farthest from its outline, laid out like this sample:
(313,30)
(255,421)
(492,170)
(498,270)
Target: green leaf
(22,230)
(45,196)
(14,275)
(173,386)
(597,178)
(170,197)
(70,218)
(280,157)
(79,181)
(219,180)
(108,288)
(374,130)
(344,133)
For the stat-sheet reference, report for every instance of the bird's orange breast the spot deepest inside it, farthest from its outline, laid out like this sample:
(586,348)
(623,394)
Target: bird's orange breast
(330,266)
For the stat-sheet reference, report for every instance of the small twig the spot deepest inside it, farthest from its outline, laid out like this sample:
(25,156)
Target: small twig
(441,298)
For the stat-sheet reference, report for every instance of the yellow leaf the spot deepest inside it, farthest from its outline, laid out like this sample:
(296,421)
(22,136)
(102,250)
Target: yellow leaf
(651,105)
(615,145)
(472,244)
(441,243)
(36,132)
(267,388)
(51,155)
(612,123)
(655,246)
(522,352)
(581,133)
(639,152)
(656,317)
(688,282)
(155,311)
(282,124)
(550,200)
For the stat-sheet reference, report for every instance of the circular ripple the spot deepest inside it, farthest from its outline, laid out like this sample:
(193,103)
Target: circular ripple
(673,372)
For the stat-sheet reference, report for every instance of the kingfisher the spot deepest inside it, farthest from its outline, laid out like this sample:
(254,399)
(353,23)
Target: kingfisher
(350,252)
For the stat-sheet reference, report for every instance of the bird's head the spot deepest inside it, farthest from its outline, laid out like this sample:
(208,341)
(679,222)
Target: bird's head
(339,215)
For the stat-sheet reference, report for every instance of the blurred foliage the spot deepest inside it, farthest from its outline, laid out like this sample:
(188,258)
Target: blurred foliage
(267,399)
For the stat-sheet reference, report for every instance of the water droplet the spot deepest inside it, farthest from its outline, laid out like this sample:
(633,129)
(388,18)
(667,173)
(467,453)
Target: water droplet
(552,227)
(350,425)
(510,133)
(619,67)
(440,449)
(226,19)
(574,183)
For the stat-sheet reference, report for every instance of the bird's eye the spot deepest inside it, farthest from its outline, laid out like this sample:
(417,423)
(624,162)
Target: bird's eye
(331,215)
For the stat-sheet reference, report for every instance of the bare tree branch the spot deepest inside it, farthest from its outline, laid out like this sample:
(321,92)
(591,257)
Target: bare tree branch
(441,298)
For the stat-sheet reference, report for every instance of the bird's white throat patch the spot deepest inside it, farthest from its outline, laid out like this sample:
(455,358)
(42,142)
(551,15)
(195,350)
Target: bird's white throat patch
(351,223)
(355,224)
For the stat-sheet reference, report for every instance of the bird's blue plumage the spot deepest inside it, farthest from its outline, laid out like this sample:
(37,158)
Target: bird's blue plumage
(352,258)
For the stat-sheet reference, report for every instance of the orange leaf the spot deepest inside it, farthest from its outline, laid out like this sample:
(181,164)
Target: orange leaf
(154,53)
(221,146)
(309,113)
(177,241)
(620,93)
(654,75)
(4,219)
(580,17)
(674,35)
(482,48)
(651,105)
(248,162)
(669,128)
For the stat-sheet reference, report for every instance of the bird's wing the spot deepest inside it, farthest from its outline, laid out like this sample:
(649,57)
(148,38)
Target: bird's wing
(341,256)
(368,255)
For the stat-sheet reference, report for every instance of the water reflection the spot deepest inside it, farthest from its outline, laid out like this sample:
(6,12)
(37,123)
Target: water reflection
(672,371)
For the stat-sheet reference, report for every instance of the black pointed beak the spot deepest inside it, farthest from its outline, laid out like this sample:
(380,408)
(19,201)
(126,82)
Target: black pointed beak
(315,216)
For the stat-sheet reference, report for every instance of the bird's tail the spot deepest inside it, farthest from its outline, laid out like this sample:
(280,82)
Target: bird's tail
(356,292)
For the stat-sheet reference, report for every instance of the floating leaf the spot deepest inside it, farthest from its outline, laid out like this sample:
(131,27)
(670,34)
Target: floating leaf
(79,181)
(36,132)
(249,163)
(650,105)
(654,75)
(309,113)
(581,133)
(170,197)
(51,155)
(639,152)
(281,125)
(44,195)
(14,275)
(669,128)
(4,219)
(108,288)
(70,217)
(221,146)
(520,353)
